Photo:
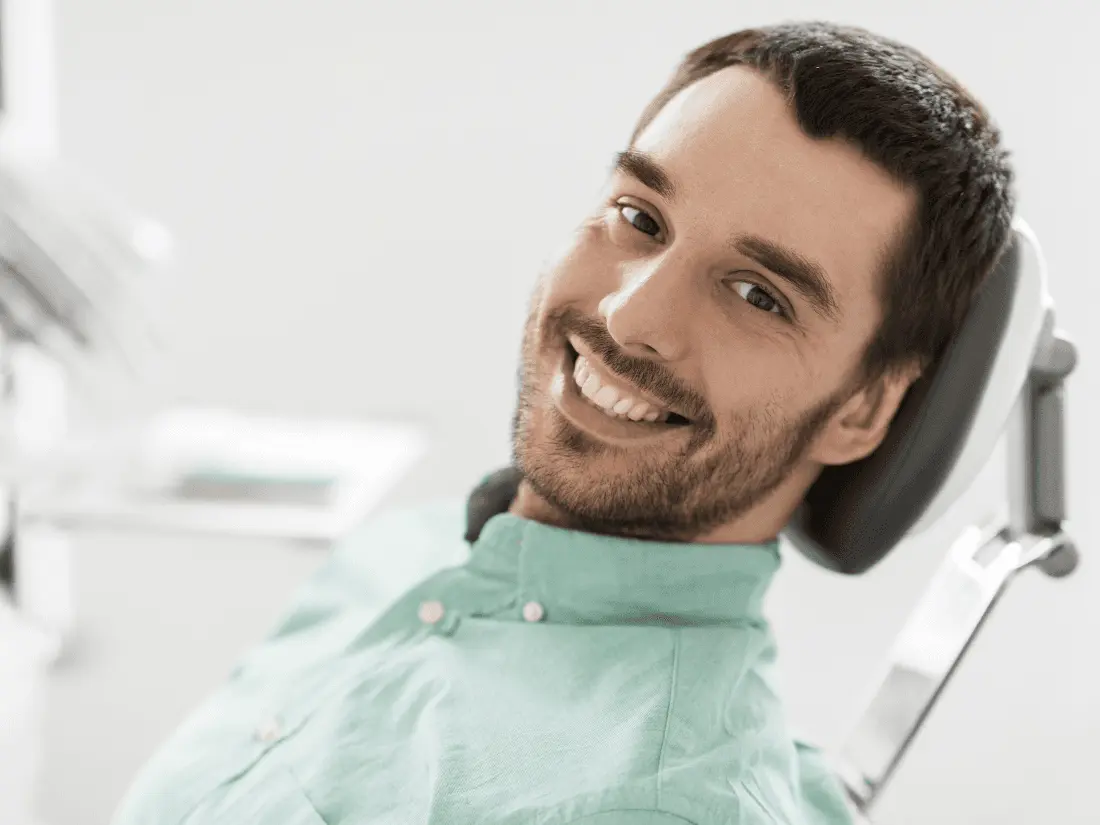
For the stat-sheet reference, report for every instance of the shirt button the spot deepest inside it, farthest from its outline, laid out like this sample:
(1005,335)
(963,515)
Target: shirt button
(269,730)
(431,612)
(533,612)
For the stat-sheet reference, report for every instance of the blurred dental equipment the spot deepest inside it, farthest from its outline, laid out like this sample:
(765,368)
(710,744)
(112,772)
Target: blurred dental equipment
(84,439)
(89,434)
(76,272)
(74,269)
(86,435)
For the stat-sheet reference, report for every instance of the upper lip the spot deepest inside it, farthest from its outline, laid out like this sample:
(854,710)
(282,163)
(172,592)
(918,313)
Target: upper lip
(581,349)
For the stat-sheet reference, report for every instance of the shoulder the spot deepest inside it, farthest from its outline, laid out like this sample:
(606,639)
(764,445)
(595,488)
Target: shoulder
(728,753)
(232,726)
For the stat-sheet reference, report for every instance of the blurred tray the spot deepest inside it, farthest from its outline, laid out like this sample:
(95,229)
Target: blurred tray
(218,471)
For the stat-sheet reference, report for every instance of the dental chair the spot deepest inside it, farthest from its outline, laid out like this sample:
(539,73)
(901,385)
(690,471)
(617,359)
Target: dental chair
(1001,375)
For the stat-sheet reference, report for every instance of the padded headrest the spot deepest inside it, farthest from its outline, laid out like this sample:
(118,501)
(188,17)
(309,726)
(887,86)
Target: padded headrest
(944,431)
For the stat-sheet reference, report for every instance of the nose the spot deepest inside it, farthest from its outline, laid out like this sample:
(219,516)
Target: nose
(646,316)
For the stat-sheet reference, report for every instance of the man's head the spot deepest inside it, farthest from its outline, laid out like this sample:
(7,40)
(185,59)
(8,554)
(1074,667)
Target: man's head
(793,234)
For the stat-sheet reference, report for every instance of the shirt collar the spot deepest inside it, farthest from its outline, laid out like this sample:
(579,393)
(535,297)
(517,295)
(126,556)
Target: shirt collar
(587,578)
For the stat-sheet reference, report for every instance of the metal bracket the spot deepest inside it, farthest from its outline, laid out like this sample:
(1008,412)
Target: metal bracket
(972,578)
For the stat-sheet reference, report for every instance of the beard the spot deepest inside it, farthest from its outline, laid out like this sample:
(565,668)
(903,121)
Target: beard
(651,493)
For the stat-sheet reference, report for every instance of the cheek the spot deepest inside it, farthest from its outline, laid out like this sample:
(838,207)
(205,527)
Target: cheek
(755,376)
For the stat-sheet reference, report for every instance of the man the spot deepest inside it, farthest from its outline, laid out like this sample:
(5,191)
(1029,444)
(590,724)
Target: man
(791,236)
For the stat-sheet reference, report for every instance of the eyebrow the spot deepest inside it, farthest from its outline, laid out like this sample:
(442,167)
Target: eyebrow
(646,170)
(806,276)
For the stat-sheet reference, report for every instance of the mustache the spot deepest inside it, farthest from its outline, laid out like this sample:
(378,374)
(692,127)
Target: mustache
(650,376)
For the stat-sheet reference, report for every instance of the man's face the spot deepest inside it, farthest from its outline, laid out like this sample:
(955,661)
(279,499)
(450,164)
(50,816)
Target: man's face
(737,289)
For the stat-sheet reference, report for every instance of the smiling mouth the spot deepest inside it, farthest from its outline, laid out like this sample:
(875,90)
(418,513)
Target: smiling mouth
(627,411)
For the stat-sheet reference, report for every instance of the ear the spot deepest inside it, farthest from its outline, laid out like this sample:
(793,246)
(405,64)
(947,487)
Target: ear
(859,426)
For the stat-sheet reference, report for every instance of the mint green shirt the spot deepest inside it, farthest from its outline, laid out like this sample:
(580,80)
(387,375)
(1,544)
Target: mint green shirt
(541,676)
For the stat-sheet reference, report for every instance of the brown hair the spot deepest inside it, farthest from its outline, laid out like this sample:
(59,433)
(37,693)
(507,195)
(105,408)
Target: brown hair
(914,120)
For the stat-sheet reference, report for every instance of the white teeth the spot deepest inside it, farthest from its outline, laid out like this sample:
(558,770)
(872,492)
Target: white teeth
(581,372)
(606,397)
(609,399)
(591,385)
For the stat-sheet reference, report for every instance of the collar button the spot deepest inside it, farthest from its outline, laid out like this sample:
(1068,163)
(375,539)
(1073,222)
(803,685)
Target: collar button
(431,612)
(533,612)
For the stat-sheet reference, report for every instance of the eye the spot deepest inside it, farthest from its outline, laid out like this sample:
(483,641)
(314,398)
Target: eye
(760,297)
(645,222)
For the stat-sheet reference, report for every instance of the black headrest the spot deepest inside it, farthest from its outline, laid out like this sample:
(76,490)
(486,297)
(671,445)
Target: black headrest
(855,514)
(492,496)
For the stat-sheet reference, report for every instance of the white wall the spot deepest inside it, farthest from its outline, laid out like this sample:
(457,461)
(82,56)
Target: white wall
(364,192)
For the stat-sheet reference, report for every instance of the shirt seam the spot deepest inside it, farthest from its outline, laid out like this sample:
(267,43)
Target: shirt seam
(752,792)
(666,814)
(677,637)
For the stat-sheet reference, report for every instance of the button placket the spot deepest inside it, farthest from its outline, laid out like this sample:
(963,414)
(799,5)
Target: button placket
(532,610)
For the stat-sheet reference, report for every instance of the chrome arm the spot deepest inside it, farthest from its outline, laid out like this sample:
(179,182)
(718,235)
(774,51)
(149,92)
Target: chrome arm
(972,578)
(933,642)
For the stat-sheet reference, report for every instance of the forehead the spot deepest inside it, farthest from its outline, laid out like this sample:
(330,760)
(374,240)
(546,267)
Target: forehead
(741,163)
